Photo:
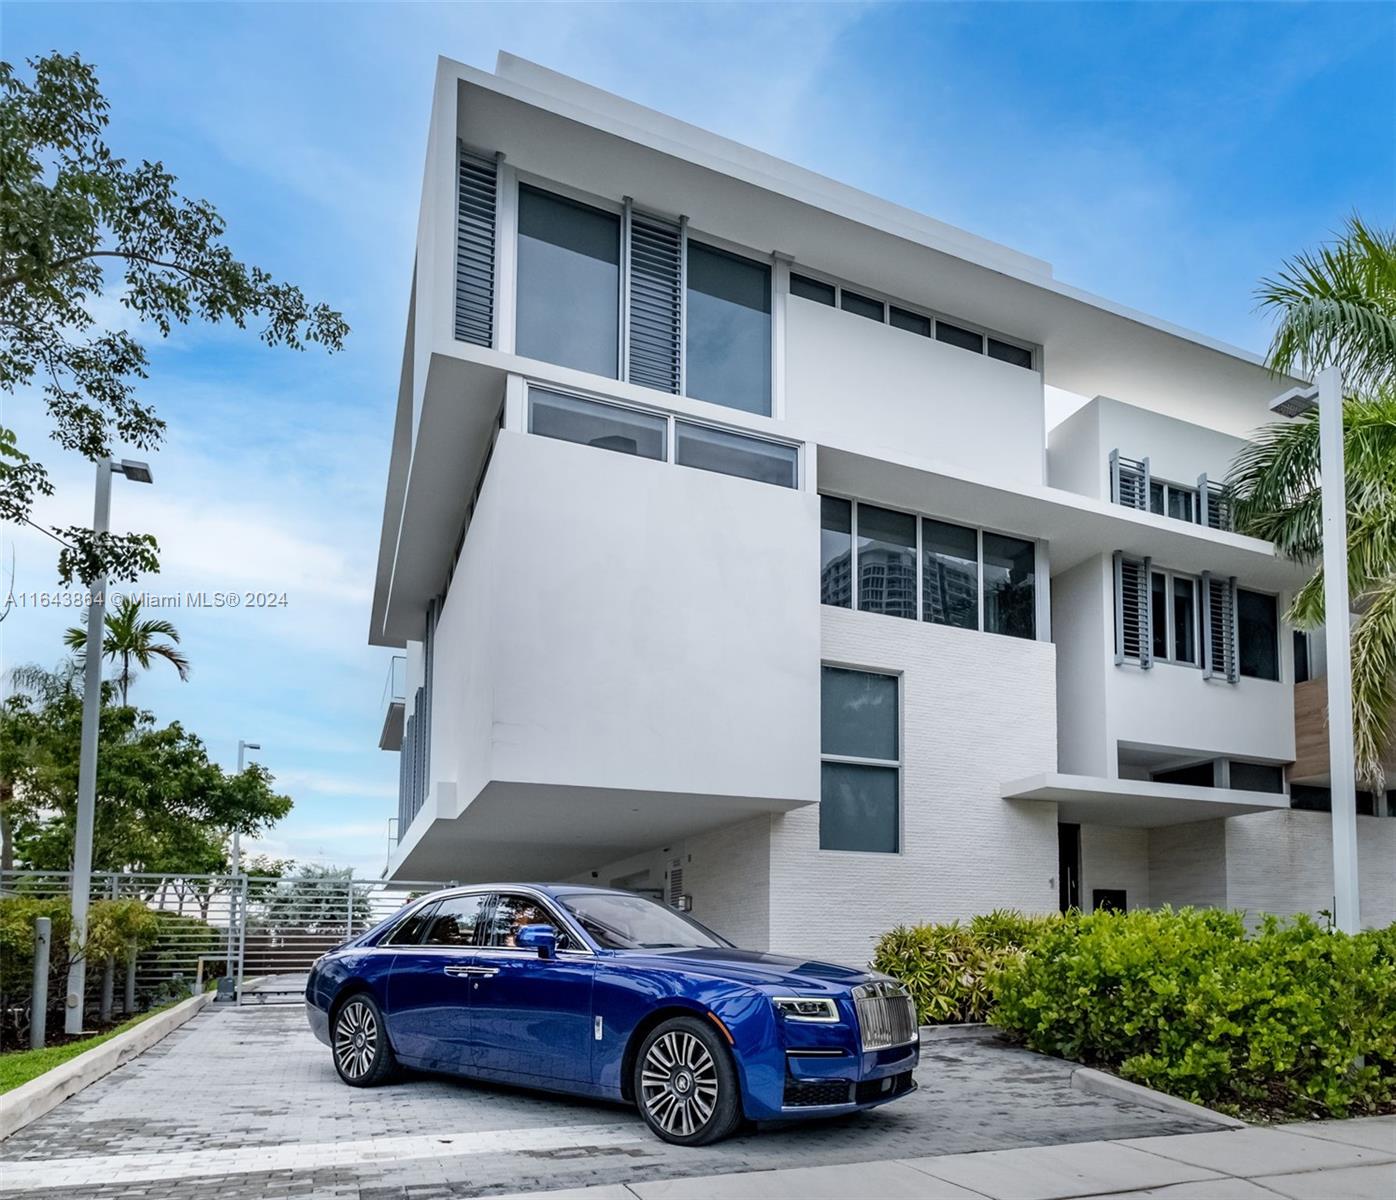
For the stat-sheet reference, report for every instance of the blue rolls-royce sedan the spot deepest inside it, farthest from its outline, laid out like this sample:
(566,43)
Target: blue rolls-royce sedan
(609,994)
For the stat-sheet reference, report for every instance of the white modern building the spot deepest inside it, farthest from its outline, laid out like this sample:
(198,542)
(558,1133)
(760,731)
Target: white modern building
(734,561)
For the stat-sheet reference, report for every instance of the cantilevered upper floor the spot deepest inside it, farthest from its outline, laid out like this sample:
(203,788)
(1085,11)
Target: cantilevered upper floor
(573,239)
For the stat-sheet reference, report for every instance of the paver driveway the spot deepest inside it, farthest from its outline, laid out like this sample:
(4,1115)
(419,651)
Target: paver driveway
(245,1103)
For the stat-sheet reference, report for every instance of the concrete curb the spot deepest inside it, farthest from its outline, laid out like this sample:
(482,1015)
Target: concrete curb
(1102,1083)
(32,1100)
(957,1033)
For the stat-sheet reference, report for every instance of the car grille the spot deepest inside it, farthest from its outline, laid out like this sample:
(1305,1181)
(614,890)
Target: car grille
(886,1014)
(882,1089)
(811,1093)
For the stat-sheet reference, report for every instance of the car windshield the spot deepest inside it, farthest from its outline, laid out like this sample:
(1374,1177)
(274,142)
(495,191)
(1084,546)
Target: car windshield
(618,922)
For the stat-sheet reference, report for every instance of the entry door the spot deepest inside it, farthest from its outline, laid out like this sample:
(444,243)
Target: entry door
(1069,866)
(530,1016)
(429,989)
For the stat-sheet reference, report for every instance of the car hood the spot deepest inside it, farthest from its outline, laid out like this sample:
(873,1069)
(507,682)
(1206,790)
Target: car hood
(750,966)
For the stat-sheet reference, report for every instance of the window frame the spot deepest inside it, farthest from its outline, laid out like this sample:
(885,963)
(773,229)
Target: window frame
(932,315)
(859,761)
(539,183)
(672,419)
(1278,641)
(1170,632)
(979,532)
(1168,486)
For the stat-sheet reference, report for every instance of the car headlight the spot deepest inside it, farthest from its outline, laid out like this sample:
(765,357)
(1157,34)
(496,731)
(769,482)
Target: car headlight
(806,1008)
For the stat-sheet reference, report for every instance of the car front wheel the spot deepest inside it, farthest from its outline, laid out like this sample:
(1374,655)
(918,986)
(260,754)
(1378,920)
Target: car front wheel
(362,1055)
(686,1083)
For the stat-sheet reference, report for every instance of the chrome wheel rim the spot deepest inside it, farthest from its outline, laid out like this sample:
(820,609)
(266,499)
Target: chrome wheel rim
(678,1083)
(355,1039)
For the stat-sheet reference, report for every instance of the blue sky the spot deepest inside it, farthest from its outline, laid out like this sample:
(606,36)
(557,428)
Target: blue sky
(1163,155)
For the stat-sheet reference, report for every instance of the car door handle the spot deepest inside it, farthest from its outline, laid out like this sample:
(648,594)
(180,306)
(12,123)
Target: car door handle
(460,971)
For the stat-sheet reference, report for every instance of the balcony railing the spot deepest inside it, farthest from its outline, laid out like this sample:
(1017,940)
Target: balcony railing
(1132,485)
(393,704)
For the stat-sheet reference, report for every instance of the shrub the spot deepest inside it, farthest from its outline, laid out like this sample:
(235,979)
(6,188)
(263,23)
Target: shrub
(113,927)
(947,967)
(1293,1018)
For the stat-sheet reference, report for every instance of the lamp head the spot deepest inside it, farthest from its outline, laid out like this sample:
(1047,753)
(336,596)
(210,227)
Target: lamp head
(1296,402)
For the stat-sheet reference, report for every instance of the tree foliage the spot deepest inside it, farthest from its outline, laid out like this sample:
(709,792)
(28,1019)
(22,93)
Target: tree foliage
(161,804)
(130,639)
(1337,307)
(71,212)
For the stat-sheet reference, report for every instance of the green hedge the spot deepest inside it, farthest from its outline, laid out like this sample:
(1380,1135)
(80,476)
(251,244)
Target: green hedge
(1293,1018)
(948,967)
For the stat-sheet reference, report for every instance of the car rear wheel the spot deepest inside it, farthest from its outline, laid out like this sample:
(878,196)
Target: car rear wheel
(686,1083)
(359,1040)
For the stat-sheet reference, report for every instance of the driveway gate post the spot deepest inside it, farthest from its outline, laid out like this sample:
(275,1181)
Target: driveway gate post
(130,998)
(38,1001)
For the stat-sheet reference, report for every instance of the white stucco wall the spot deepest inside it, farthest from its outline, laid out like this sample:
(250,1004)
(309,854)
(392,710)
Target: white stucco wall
(852,382)
(1082,627)
(1178,450)
(978,709)
(627,624)
(1174,706)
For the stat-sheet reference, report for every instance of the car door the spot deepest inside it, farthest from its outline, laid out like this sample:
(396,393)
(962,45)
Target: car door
(531,1017)
(429,992)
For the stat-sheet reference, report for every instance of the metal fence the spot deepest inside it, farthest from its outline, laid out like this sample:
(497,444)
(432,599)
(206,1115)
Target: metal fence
(261,931)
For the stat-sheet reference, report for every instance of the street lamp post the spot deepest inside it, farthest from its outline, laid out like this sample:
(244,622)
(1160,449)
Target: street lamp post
(1327,396)
(137,472)
(235,860)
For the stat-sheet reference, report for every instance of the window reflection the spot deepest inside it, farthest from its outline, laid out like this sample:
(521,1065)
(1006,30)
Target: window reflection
(728,335)
(886,562)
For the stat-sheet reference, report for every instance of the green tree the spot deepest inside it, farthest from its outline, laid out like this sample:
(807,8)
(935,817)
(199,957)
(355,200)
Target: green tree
(161,804)
(22,742)
(1337,307)
(70,210)
(131,639)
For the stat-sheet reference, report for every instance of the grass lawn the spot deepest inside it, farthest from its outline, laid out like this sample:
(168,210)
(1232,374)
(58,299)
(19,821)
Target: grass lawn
(20,1066)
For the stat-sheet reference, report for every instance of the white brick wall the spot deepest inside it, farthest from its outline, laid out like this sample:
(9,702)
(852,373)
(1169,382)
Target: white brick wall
(979,709)
(1115,858)
(1187,865)
(728,874)
(1283,863)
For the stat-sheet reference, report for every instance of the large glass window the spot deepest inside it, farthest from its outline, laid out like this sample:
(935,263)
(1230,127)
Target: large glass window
(836,551)
(1258,627)
(860,746)
(886,562)
(1010,601)
(728,339)
(1185,636)
(568,282)
(729,453)
(1173,500)
(571,419)
(949,574)
(1174,617)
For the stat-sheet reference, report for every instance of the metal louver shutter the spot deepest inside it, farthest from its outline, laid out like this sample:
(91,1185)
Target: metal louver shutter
(1129,481)
(1219,635)
(476,204)
(1133,611)
(676,884)
(653,358)
(1214,503)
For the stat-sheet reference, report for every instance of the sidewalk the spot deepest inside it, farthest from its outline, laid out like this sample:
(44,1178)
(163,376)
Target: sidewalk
(1330,1160)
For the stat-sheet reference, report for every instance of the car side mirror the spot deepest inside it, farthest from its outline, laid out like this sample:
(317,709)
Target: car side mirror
(542,938)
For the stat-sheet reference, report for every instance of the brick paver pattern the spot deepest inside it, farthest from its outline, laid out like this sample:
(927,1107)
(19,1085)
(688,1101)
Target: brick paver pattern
(244,1102)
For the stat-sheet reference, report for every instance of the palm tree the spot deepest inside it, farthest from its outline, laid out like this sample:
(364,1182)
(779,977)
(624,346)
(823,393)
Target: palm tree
(133,641)
(1337,307)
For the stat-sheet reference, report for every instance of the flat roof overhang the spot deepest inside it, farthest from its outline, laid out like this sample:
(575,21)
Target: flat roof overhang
(554,831)
(1136,803)
(557,127)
